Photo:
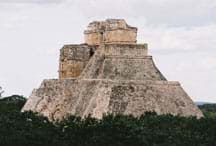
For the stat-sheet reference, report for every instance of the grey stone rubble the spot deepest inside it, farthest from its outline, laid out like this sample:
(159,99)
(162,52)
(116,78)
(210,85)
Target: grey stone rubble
(112,77)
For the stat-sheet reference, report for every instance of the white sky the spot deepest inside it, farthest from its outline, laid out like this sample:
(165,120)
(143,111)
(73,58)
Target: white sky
(181,37)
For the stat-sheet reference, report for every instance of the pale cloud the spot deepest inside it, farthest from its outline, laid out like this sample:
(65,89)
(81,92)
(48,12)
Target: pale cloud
(31,1)
(169,12)
(181,37)
(204,64)
(197,38)
(209,63)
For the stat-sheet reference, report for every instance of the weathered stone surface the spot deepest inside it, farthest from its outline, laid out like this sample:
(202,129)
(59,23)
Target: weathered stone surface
(109,78)
(58,98)
(73,59)
(110,31)
(122,62)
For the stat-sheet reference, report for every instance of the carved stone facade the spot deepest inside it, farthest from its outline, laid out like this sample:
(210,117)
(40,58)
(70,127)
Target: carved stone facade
(109,32)
(73,59)
(110,73)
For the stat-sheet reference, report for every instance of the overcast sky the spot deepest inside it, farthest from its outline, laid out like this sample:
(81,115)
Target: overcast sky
(181,35)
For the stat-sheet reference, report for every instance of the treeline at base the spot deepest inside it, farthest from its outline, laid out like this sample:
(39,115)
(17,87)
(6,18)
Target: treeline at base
(28,129)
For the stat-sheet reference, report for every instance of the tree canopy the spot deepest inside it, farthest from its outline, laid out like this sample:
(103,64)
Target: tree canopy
(150,129)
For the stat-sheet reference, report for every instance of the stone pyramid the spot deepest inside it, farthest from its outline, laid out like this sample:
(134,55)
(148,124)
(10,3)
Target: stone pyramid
(109,73)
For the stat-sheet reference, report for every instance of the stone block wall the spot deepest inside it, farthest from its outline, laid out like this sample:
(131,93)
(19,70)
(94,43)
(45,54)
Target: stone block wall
(56,99)
(73,59)
(120,36)
(134,50)
(122,62)
(93,38)
(110,31)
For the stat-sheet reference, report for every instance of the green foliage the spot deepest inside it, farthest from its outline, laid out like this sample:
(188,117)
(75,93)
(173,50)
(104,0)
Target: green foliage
(12,103)
(209,110)
(29,129)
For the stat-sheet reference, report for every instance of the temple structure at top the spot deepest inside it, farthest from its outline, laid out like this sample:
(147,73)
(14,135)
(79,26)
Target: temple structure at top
(111,31)
(73,58)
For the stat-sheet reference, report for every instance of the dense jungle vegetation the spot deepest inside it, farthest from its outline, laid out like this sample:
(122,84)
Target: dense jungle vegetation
(28,129)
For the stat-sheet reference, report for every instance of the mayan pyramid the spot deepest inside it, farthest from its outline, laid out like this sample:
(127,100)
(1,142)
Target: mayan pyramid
(109,73)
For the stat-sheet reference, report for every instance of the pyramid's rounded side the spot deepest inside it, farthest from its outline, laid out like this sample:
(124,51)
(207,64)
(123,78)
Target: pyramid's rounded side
(58,98)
